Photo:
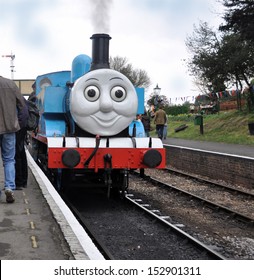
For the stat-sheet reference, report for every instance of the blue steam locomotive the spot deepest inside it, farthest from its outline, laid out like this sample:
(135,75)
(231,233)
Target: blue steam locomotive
(87,126)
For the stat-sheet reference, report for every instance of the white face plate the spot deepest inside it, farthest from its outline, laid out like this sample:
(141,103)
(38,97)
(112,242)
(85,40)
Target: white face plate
(103,102)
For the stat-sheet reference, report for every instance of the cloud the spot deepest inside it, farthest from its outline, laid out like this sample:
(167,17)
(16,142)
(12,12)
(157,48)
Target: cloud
(46,35)
(23,17)
(152,36)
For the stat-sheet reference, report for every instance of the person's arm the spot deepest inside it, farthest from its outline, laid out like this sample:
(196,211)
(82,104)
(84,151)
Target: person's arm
(22,109)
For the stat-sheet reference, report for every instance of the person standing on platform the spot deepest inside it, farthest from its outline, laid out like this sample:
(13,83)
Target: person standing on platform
(32,97)
(11,107)
(160,119)
(21,167)
(145,119)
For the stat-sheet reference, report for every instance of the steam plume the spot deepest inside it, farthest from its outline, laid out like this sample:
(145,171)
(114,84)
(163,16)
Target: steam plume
(100,16)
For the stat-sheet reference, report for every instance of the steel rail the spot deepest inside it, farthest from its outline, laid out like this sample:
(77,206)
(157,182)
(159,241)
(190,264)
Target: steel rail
(163,220)
(209,203)
(228,188)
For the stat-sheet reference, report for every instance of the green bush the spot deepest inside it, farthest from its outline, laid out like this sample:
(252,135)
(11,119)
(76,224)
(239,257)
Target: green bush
(177,109)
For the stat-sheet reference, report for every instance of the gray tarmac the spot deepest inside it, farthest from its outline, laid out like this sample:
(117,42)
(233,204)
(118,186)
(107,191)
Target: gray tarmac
(39,225)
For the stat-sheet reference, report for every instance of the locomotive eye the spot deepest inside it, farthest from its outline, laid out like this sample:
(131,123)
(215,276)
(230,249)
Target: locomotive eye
(118,93)
(92,93)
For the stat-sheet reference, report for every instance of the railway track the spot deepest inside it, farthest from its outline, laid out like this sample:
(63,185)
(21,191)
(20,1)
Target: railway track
(90,231)
(164,220)
(232,234)
(211,182)
(128,229)
(246,198)
(134,242)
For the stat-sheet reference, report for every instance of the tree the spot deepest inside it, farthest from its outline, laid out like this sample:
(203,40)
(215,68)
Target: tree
(219,60)
(205,64)
(156,100)
(239,18)
(138,77)
(238,59)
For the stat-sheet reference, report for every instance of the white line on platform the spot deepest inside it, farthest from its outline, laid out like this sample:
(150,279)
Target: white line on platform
(80,243)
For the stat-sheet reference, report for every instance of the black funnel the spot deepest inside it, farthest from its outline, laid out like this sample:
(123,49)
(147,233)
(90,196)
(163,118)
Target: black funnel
(100,51)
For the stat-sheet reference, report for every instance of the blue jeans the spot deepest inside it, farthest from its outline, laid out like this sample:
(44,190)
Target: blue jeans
(159,129)
(7,145)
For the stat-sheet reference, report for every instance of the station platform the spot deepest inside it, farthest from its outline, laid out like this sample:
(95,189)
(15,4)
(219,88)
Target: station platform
(38,225)
(222,148)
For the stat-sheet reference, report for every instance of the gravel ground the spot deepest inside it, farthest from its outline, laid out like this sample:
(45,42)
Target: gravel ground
(229,237)
(238,203)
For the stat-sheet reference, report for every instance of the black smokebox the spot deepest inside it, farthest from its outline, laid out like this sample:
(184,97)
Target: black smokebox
(100,51)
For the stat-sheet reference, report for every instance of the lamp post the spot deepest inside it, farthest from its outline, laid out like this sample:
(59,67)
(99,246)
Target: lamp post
(157,90)
(157,100)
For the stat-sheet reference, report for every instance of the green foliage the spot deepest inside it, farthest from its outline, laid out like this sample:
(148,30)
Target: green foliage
(228,60)
(156,100)
(251,118)
(225,56)
(239,18)
(205,63)
(177,109)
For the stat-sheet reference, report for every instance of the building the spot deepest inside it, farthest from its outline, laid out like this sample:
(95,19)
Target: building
(25,86)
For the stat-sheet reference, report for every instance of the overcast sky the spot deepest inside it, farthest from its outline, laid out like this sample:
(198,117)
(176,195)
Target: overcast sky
(45,36)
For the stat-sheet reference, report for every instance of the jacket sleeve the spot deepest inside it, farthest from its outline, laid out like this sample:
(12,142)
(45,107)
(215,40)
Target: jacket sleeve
(22,109)
(23,116)
(155,118)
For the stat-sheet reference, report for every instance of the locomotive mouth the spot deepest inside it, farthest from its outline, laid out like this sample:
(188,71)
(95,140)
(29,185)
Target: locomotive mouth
(104,121)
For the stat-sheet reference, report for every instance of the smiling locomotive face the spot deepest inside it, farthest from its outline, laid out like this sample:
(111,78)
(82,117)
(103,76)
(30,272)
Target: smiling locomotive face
(103,102)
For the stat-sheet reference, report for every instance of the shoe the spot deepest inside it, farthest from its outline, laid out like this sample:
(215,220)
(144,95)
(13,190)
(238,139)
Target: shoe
(9,196)
(19,188)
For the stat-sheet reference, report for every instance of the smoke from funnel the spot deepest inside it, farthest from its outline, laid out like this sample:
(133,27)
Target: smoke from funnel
(100,16)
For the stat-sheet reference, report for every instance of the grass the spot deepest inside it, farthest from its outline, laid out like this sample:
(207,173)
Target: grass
(227,127)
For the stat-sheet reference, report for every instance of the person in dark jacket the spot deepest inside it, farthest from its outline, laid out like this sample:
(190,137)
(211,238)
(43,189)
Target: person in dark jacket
(145,119)
(11,107)
(20,155)
(32,97)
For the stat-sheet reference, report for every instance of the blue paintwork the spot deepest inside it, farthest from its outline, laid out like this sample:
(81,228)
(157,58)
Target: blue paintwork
(80,66)
(51,102)
(57,79)
(140,131)
(141,100)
